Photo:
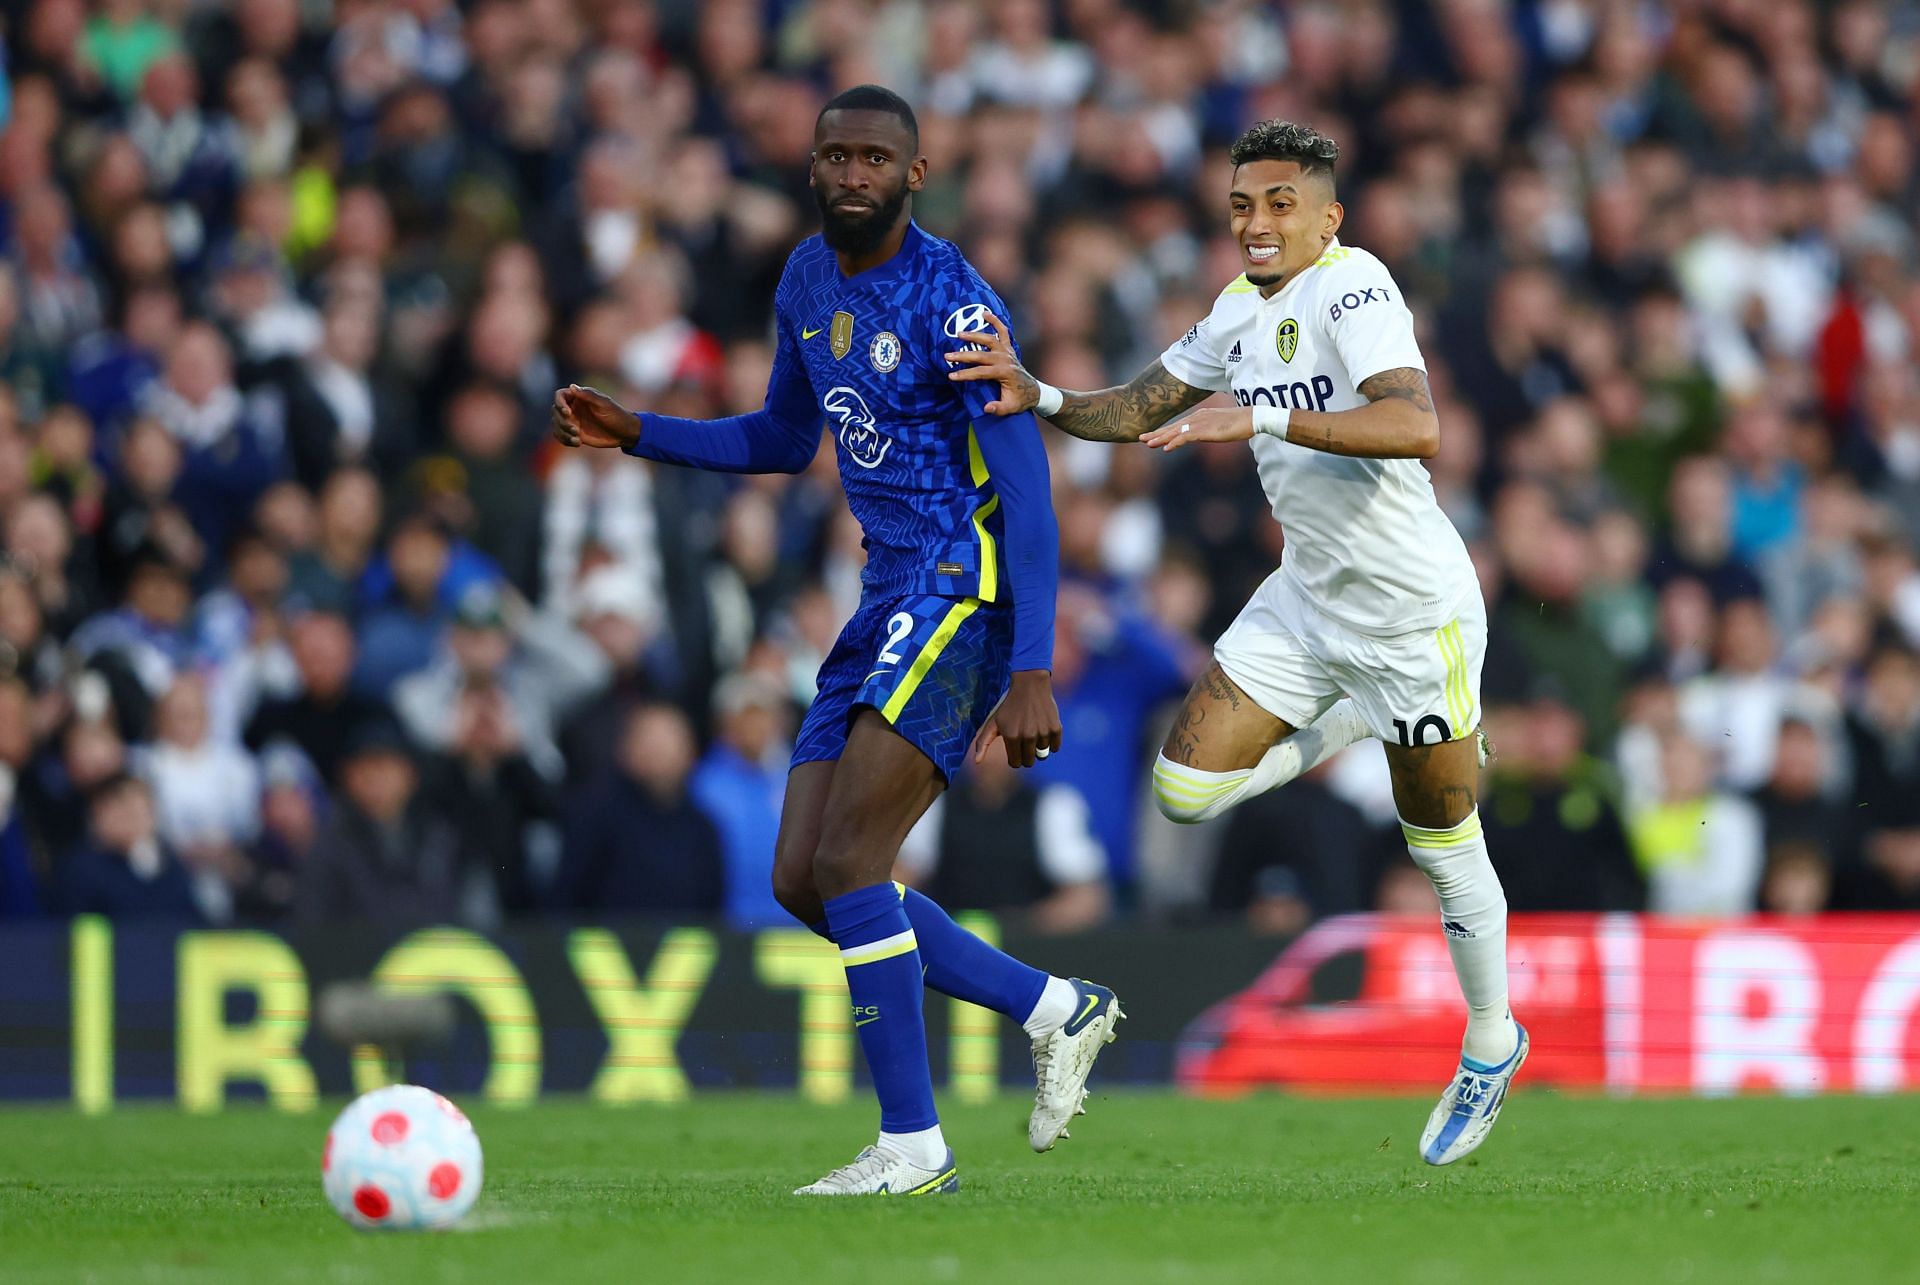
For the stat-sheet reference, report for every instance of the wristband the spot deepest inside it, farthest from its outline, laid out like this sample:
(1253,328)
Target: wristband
(1051,399)
(1271,420)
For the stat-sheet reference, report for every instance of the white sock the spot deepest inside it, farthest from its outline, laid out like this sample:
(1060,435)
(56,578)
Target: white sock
(1473,913)
(1052,1009)
(1188,794)
(926,1148)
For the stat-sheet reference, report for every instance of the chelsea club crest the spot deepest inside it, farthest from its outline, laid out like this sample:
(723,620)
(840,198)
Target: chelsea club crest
(884,352)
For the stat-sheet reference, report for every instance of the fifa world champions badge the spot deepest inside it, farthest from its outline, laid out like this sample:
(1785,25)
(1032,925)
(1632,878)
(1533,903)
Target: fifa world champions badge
(840,337)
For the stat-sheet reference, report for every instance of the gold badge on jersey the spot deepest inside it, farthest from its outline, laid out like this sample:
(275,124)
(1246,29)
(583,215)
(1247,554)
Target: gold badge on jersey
(1287,339)
(840,337)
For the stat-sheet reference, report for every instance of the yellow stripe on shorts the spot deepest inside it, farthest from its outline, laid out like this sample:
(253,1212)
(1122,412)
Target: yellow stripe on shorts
(1459,701)
(955,617)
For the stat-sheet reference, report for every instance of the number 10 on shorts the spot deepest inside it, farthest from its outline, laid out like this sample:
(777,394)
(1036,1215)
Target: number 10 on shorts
(1417,736)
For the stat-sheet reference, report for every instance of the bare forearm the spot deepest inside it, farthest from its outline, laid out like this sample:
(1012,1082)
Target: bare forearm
(1397,423)
(1376,431)
(1124,412)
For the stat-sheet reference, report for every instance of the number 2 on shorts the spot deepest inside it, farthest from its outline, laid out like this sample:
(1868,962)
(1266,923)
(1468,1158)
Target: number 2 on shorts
(897,630)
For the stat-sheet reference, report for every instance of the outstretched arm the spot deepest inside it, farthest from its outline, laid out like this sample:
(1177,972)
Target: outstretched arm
(1120,414)
(782,437)
(1397,423)
(1127,412)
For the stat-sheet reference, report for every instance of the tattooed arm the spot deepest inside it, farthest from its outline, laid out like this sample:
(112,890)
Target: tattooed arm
(1125,412)
(1119,414)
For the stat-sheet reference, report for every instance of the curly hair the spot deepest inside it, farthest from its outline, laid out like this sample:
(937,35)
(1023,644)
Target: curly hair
(1285,140)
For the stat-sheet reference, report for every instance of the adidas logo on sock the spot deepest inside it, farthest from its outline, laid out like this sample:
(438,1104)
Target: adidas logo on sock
(1454,928)
(1233,353)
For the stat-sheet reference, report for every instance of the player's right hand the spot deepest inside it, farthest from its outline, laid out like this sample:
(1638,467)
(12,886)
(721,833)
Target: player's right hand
(587,417)
(991,356)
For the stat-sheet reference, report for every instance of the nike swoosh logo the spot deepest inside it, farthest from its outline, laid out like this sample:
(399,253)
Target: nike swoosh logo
(808,334)
(864,1020)
(1093,1002)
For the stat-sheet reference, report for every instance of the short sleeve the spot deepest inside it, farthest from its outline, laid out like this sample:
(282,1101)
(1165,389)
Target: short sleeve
(1367,322)
(1193,359)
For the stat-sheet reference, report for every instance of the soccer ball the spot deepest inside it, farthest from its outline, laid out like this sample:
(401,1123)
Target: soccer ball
(401,1157)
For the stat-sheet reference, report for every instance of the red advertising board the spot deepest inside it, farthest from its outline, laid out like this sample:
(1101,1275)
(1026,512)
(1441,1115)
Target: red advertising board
(1626,1003)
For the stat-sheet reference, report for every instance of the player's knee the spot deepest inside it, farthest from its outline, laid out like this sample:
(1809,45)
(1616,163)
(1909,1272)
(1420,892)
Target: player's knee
(1186,795)
(795,890)
(840,868)
(794,885)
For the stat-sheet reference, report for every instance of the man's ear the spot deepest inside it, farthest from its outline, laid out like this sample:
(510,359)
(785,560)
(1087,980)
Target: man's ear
(1336,215)
(917,174)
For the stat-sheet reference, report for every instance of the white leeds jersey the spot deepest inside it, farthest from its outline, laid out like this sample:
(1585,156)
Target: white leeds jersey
(1367,543)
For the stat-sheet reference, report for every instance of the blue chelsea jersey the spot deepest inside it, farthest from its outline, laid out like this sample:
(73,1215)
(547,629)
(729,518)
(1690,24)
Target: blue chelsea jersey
(873,347)
(954,501)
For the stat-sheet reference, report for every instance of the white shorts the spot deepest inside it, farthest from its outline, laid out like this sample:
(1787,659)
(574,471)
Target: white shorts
(1418,688)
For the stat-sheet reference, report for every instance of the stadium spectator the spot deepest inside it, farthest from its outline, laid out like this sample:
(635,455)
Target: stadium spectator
(993,841)
(341,411)
(1548,807)
(539,676)
(124,870)
(491,785)
(386,855)
(1802,801)
(320,718)
(292,804)
(327,576)
(230,453)
(740,783)
(410,595)
(635,840)
(206,795)
(501,504)
(1699,848)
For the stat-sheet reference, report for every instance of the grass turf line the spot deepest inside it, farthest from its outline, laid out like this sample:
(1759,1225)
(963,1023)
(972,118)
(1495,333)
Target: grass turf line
(1151,1188)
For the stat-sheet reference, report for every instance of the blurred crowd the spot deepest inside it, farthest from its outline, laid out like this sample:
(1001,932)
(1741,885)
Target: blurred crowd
(303,619)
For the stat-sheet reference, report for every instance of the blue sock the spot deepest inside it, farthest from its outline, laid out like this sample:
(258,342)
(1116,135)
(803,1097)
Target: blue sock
(883,978)
(963,966)
(960,964)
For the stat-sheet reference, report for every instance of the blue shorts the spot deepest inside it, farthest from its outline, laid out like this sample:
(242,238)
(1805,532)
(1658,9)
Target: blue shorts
(934,667)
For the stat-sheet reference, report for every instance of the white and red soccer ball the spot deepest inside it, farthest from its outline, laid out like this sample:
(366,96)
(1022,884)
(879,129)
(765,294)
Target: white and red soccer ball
(403,1158)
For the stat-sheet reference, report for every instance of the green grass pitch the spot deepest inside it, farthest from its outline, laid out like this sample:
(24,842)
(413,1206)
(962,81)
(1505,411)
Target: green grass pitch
(1151,1188)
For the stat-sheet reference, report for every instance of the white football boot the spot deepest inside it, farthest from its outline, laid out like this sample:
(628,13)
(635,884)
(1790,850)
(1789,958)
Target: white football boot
(1467,1110)
(1063,1060)
(881,1173)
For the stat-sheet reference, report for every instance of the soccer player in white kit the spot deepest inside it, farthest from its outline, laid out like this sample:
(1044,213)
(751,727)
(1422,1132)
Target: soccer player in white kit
(1373,624)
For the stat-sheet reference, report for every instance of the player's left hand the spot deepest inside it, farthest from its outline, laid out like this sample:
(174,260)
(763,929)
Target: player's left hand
(1215,424)
(1026,718)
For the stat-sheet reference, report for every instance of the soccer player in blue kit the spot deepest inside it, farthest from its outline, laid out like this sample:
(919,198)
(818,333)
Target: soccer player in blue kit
(951,647)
